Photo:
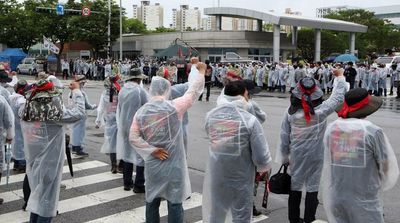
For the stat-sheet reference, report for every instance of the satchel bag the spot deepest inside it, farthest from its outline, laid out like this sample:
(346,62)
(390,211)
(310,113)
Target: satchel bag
(280,182)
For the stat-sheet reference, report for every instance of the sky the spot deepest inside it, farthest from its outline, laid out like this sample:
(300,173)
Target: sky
(306,7)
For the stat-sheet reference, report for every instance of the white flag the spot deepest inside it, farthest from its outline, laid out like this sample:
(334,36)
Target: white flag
(50,46)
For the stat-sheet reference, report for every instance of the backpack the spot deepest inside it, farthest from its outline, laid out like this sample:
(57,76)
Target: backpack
(43,106)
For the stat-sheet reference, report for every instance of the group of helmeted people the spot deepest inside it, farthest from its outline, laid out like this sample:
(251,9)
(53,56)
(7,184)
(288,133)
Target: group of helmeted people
(147,129)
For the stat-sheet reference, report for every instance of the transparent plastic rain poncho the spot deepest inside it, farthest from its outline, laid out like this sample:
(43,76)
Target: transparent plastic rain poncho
(7,129)
(158,124)
(383,72)
(106,116)
(16,102)
(45,154)
(237,147)
(4,92)
(359,164)
(130,99)
(373,80)
(78,129)
(302,143)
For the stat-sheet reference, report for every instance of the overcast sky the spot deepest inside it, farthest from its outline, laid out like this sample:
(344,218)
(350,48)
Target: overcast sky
(306,7)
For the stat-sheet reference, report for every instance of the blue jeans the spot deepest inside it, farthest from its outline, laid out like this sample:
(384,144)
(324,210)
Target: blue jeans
(39,219)
(175,212)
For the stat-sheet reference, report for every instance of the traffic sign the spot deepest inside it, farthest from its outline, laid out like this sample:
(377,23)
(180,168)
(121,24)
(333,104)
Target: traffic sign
(86,11)
(60,9)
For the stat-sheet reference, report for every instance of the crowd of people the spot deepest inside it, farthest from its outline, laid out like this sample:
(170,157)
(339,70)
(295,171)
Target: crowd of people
(147,129)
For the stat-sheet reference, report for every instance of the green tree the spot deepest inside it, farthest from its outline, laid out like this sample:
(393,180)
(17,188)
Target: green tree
(163,30)
(380,35)
(134,26)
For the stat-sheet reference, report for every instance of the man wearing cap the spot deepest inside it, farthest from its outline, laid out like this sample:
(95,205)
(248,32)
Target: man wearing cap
(44,138)
(302,131)
(78,129)
(106,116)
(359,162)
(130,99)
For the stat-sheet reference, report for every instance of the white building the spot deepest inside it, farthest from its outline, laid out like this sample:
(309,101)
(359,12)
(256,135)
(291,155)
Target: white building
(151,15)
(389,12)
(186,18)
(322,12)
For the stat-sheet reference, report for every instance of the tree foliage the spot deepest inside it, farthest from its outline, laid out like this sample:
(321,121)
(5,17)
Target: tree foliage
(134,26)
(381,35)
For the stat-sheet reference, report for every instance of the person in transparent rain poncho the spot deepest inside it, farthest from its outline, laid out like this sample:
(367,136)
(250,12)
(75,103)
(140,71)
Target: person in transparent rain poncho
(78,129)
(7,129)
(130,99)
(106,116)
(156,134)
(17,99)
(44,143)
(359,163)
(301,145)
(237,147)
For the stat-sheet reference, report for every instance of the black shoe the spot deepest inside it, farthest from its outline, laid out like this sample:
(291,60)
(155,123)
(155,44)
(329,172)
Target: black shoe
(120,168)
(207,99)
(127,187)
(82,154)
(255,211)
(139,190)
(114,169)
(1,201)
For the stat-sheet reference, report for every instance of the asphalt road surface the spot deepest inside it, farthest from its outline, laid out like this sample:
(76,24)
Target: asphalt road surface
(96,195)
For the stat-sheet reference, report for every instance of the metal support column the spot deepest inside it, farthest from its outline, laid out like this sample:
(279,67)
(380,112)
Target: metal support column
(276,42)
(218,19)
(317,55)
(294,41)
(352,43)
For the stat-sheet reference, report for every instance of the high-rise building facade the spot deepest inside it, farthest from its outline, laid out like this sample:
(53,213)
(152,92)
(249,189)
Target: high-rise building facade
(151,15)
(186,18)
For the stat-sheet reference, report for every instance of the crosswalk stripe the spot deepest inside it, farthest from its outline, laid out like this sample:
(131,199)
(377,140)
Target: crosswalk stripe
(77,167)
(70,183)
(73,204)
(138,214)
(254,220)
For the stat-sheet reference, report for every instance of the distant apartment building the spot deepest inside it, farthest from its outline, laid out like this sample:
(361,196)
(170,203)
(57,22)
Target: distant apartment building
(288,11)
(151,15)
(186,18)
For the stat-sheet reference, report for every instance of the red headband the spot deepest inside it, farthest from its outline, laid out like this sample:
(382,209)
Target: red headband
(306,107)
(346,109)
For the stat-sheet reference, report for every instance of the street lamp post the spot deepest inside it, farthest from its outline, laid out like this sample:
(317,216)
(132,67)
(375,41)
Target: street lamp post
(109,31)
(120,29)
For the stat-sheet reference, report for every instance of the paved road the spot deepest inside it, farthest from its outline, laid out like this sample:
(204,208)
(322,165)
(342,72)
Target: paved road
(96,195)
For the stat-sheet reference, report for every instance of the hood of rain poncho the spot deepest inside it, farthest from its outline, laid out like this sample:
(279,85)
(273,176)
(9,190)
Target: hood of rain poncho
(359,163)
(237,147)
(160,88)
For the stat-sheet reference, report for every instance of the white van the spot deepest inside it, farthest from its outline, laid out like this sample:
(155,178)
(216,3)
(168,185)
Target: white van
(388,60)
(30,66)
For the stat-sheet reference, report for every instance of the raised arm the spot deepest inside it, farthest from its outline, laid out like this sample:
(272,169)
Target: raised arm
(196,86)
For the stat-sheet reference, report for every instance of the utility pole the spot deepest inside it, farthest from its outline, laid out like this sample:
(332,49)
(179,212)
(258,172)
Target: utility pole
(109,31)
(120,29)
